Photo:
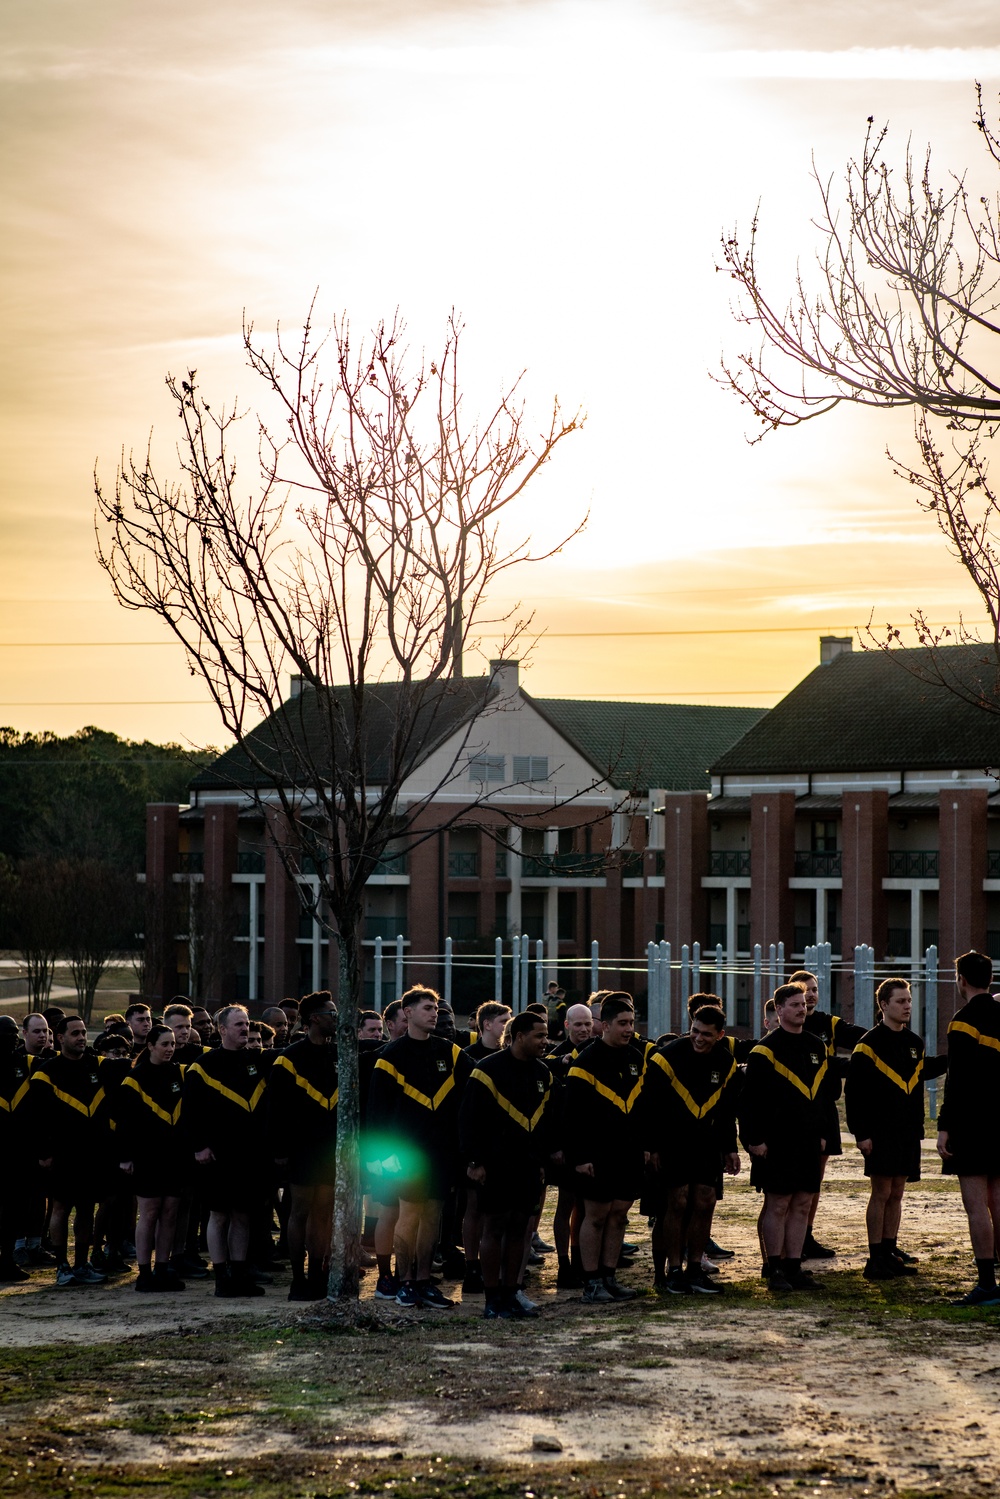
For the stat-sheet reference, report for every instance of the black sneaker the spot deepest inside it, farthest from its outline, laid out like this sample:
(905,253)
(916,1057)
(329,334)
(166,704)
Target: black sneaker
(778,1282)
(540,1247)
(801,1280)
(595,1290)
(408,1296)
(701,1284)
(520,1307)
(902,1257)
(387,1288)
(431,1297)
(11,1272)
(675,1283)
(879,1269)
(186,1266)
(812,1249)
(146,1281)
(498,1311)
(617,1292)
(167,1279)
(979,1296)
(300,1290)
(716,1251)
(569,1280)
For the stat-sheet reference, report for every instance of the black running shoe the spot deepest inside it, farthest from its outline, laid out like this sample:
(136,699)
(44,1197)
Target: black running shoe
(716,1251)
(979,1296)
(812,1249)
(675,1283)
(701,1284)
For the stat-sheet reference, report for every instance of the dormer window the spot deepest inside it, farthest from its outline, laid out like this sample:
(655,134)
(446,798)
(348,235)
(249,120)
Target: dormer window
(486,768)
(531,767)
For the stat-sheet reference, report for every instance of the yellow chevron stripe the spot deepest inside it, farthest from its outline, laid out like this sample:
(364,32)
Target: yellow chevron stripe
(161,1113)
(790,1076)
(87,1110)
(979,1037)
(625,1104)
(411,1092)
(479,1076)
(700,1111)
(243,1103)
(893,1077)
(328,1103)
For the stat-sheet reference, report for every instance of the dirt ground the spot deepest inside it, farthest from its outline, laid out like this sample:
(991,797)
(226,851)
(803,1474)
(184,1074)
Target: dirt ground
(854,1389)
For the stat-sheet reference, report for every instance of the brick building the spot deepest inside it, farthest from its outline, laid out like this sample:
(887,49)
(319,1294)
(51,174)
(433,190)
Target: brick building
(585,774)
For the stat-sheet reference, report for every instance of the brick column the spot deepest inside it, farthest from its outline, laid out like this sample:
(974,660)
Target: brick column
(685,857)
(487,884)
(162,826)
(772,864)
(281,920)
(423,914)
(961,898)
(221,829)
(864,862)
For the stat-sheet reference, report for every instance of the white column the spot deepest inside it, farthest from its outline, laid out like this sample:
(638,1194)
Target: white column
(916,967)
(552,934)
(514,870)
(730,995)
(254,906)
(821,915)
(317,954)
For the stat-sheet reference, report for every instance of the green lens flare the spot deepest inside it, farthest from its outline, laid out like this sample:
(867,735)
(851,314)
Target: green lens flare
(393,1158)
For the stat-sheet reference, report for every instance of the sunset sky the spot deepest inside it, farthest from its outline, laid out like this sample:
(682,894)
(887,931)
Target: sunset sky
(561,173)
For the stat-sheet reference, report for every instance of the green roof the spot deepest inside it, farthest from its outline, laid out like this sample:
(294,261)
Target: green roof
(669,746)
(872,710)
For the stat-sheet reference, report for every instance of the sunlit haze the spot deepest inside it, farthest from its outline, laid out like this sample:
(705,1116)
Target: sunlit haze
(561,173)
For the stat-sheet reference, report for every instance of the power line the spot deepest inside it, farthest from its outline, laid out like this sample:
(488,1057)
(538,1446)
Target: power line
(177,702)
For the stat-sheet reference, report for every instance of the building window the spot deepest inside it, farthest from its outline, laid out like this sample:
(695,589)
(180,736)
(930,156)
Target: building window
(531,767)
(486,768)
(824,837)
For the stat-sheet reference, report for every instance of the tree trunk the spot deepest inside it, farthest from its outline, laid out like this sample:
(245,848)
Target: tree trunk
(345,1248)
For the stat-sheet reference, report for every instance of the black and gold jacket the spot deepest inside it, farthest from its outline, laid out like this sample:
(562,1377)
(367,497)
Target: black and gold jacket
(783,1099)
(68,1111)
(690,1099)
(224,1107)
(506,1115)
(146,1113)
(970,1112)
(302,1098)
(415,1091)
(602,1118)
(885,1086)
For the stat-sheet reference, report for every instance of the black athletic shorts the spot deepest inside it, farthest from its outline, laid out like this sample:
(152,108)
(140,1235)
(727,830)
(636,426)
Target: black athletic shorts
(75,1183)
(786,1169)
(231,1187)
(690,1169)
(510,1189)
(616,1179)
(831,1132)
(891,1156)
(316,1167)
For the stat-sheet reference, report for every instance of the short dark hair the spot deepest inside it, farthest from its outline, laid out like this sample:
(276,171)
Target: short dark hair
(59,1029)
(110,1041)
(697,1000)
(137,1009)
(801,976)
(712,1015)
(521,1025)
(886,988)
(311,1003)
(537,1009)
(177,1007)
(785,992)
(391,1010)
(975,967)
(769,1007)
(616,1004)
(155,1032)
(416,994)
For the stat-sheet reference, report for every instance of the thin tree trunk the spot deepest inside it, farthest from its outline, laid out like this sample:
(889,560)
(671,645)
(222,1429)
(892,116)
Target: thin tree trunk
(345,1247)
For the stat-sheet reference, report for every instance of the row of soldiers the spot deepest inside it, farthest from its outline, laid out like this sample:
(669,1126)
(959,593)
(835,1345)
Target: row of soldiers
(463,1140)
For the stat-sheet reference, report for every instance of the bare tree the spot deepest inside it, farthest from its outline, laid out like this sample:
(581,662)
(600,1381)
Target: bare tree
(211,930)
(362,562)
(93,900)
(904,312)
(35,925)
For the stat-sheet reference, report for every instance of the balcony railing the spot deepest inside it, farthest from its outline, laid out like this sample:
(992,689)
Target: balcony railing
(250,861)
(993,865)
(463,866)
(815,862)
(913,864)
(191,862)
(735,861)
(929,936)
(386,927)
(551,866)
(463,928)
(391,864)
(899,942)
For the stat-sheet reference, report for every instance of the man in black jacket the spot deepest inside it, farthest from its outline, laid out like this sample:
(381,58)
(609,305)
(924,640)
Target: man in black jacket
(413,1100)
(505,1135)
(782,1112)
(885,1113)
(302,1120)
(603,1143)
(969,1125)
(224,1116)
(690,1109)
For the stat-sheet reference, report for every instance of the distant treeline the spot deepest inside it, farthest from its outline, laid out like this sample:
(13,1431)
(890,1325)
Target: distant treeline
(84,796)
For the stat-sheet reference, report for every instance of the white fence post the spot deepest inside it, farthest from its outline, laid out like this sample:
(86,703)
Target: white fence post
(666,997)
(378,974)
(399,965)
(595,966)
(447,970)
(686,990)
(695,969)
(498,971)
(539,970)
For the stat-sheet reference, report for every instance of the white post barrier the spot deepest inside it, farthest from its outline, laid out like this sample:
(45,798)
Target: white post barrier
(525,969)
(781,964)
(931,1020)
(666,997)
(378,974)
(595,966)
(498,971)
(539,971)
(695,969)
(720,964)
(447,970)
(686,990)
(515,972)
(772,969)
(399,965)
